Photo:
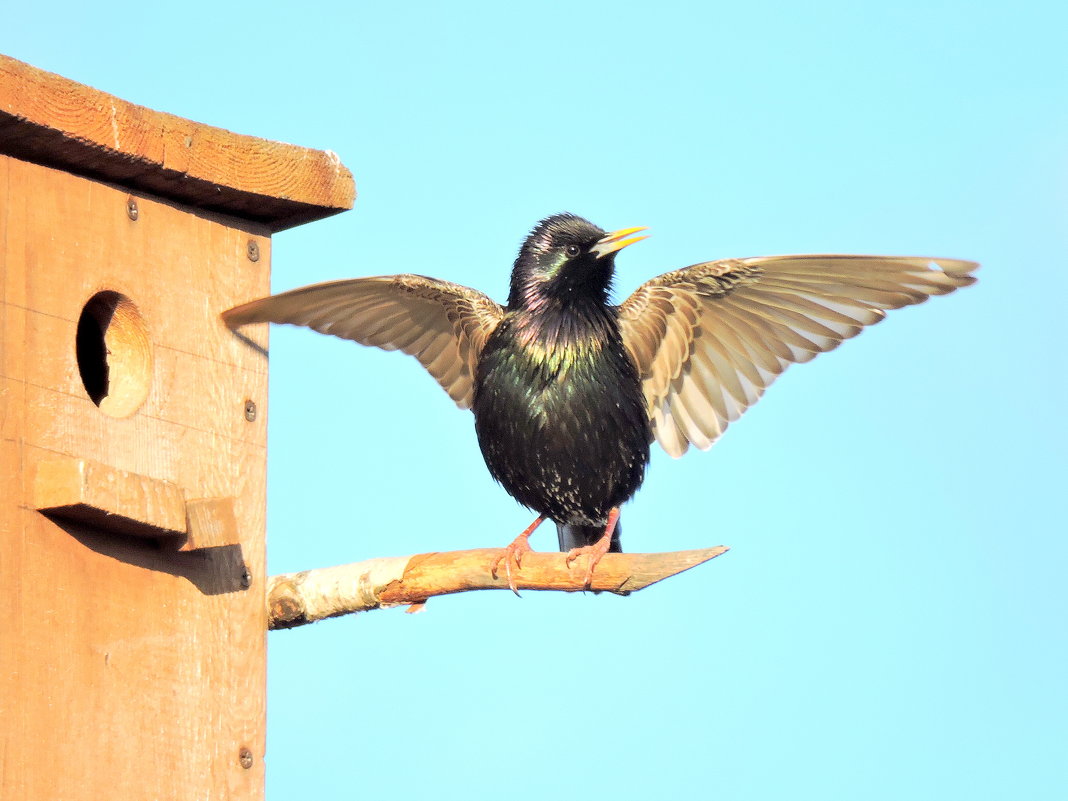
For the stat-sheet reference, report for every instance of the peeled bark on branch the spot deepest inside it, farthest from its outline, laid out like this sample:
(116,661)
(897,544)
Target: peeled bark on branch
(295,599)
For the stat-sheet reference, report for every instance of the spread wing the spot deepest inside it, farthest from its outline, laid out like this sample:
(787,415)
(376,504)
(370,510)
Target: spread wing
(709,339)
(443,325)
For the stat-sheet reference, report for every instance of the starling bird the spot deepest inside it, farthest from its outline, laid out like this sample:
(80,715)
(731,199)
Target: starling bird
(568,391)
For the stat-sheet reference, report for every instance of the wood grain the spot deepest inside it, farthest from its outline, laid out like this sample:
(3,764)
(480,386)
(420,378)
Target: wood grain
(296,599)
(129,670)
(54,121)
(96,494)
(210,523)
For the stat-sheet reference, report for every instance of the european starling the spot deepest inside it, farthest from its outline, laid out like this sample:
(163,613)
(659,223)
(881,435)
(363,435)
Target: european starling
(568,391)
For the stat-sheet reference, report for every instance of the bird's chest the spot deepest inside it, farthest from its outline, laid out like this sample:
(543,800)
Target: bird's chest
(560,418)
(550,383)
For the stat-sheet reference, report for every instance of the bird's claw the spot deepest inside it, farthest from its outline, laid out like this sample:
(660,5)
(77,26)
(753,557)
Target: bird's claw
(514,552)
(594,552)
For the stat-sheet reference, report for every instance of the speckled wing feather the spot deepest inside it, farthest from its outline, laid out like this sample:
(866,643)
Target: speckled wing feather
(443,325)
(709,339)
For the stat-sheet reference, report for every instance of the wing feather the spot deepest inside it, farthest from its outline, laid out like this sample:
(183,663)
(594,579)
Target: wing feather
(444,325)
(709,339)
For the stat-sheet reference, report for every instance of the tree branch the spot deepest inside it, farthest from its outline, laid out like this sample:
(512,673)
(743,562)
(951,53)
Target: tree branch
(296,599)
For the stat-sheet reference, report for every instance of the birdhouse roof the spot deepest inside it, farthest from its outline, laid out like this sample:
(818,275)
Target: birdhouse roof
(50,120)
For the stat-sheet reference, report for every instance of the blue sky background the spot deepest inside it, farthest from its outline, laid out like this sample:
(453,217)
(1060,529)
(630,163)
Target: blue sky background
(890,621)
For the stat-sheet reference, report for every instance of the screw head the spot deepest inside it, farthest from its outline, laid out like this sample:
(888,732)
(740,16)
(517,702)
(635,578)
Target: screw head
(253,250)
(131,208)
(245,758)
(250,410)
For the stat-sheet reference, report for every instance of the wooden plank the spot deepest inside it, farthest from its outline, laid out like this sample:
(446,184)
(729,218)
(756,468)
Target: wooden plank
(139,666)
(164,247)
(55,370)
(116,500)
(9,350)
(96,495)
(210,524)
(140,445)
(51,280)
(143,667)
(54,121)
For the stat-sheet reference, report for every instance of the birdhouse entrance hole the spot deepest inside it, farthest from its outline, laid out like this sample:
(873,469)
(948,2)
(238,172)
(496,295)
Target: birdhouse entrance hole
(114,353)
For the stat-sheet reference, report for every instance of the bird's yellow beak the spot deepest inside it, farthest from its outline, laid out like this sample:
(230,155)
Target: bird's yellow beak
(617,240)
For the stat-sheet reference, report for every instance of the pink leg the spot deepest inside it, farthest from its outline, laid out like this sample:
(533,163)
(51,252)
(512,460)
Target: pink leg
(515,551)
(597,550)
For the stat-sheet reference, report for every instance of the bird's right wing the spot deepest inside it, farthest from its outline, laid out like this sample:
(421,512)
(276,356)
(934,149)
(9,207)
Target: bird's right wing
(709,339)
(443,325)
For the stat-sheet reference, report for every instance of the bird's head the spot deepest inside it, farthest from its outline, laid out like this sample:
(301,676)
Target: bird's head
(566,259)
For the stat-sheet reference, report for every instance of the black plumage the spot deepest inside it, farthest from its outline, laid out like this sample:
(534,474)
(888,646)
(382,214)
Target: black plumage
(558,402)
(568,391)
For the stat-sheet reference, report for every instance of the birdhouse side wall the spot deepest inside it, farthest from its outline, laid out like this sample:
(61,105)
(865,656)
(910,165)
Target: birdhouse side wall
(132,658)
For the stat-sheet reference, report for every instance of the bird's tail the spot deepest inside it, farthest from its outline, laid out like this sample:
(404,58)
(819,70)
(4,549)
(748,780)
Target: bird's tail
(574,535)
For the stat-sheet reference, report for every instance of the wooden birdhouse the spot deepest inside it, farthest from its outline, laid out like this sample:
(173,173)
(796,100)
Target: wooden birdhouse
(133,442)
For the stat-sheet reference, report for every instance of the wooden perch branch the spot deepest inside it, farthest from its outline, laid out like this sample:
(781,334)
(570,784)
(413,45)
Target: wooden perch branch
(295,599)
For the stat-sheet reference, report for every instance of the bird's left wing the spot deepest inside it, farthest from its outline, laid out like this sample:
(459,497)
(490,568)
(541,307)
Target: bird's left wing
(443,325)
(709,339)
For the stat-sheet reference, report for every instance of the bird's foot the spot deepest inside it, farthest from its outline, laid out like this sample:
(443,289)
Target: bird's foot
(514,553)
(595,551)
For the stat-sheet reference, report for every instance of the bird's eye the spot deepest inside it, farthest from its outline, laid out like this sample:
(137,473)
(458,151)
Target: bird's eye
(572,250)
